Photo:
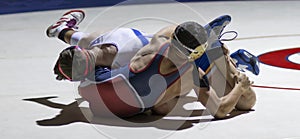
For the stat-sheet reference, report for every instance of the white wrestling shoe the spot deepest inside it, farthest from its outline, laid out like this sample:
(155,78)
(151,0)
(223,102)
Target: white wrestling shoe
(69,20)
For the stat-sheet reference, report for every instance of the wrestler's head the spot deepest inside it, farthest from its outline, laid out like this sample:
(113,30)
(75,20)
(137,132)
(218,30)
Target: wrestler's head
(73,64)
(191,39)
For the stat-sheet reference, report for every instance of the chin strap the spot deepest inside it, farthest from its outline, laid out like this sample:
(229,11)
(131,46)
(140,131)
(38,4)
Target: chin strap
(198,52)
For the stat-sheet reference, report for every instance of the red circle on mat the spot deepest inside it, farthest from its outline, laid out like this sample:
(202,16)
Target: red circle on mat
(280,58)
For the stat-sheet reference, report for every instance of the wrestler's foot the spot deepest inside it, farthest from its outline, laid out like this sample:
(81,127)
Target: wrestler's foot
(69,20)
(245,60)
(217,25)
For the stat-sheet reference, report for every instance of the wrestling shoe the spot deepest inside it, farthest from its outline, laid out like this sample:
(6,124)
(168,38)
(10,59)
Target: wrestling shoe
(69,20)
(245,60)
(216,26)
(214,31)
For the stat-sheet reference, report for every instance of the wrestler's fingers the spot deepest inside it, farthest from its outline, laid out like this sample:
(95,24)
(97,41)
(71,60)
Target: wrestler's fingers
(201,72)
(237,77)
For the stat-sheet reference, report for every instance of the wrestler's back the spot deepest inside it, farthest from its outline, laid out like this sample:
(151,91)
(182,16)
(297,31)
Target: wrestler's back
(145,55)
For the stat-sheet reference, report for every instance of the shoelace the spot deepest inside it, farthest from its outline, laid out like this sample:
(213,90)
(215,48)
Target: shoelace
(71,23)
(229,39)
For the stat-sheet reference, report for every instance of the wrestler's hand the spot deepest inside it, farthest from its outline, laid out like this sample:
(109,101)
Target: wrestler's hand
(243,81)
(225,50)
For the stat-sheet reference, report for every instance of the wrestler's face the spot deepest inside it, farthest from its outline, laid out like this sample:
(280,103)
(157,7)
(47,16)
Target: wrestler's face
(73,64)
(191,54)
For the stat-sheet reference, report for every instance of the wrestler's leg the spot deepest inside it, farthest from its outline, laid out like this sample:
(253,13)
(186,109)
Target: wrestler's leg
(169,99)
(223,80)
(86,39)
(165,108)
(73,38)
(175,106)
(65,28)
(169,102)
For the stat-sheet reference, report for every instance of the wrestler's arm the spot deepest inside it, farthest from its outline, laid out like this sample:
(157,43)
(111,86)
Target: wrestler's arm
(219,107)
(164,33)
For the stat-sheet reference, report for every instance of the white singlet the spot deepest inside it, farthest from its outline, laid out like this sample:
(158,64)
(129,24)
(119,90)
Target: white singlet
(128,41)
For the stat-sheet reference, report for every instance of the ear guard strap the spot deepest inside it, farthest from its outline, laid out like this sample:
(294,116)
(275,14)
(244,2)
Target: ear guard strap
(198,52)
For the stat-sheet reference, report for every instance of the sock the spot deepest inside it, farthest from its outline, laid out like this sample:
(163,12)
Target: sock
(62,34)
(75,38)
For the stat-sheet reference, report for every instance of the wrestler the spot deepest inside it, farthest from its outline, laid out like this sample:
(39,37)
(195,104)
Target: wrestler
(113,49)
(170,52)
(101,50)
(164,69)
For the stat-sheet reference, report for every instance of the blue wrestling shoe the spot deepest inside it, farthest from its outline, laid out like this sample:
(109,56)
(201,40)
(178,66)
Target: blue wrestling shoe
(215,29)
(217,26)
(245,60)
(214,50)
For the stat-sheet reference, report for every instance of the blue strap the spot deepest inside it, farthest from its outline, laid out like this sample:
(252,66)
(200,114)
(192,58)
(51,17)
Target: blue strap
(141,37)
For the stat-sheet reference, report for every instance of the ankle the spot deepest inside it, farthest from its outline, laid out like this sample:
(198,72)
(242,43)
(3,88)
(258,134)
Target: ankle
(64,35)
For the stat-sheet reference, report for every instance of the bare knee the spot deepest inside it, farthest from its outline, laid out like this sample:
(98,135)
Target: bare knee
(163,109)
(246,101)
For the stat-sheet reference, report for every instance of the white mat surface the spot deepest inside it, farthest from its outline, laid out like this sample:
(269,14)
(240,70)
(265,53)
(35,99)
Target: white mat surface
(27,57)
